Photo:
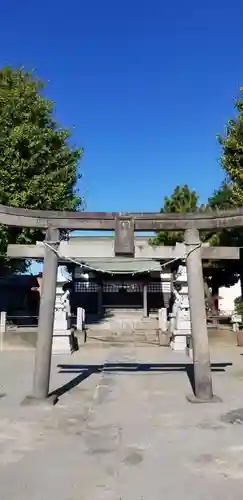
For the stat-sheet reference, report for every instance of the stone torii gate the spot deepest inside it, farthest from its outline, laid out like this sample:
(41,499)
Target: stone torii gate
(124,226)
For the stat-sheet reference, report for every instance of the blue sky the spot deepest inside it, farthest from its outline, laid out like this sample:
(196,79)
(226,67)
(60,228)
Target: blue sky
(146,86)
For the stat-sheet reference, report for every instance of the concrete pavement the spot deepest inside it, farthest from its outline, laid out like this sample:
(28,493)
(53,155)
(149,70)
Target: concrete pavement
(122,429)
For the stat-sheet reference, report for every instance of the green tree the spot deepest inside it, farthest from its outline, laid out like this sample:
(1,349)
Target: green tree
(223,273)
(182,200)
(221,198)
(38,166)
(216,273)
(232,153)
(230,194)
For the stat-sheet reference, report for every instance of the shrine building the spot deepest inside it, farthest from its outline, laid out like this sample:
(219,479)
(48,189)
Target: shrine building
(103,281)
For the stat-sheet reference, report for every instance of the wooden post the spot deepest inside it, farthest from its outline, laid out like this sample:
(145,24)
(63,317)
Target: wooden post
(3,322)
(3,319)
(241,272)
(80,319)
(201,359)
(46,319)
(145,300)
(100,300)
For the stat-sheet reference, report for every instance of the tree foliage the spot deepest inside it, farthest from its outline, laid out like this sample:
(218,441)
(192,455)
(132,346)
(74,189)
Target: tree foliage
(182,200)
(230,193)
(223,272)
(232,153)
(38,166)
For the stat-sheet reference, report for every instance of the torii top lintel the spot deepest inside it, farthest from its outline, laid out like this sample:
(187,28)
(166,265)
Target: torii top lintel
(107,221)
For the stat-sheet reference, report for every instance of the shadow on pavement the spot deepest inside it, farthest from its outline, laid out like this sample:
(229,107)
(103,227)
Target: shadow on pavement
(84,371)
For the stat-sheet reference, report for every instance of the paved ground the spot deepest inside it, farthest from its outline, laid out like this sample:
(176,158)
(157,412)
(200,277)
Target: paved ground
(120,433)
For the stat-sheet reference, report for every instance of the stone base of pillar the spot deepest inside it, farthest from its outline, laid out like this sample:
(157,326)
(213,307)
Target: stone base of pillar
(80,319)
(44,402)
(163,319)
(163,338)
(61,333)
(61,343)
(179,342)
(191,398)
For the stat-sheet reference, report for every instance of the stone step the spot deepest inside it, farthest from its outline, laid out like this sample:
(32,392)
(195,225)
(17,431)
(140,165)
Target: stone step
(112,339)
(124,311)
(123,319)
(124,325)
(127,313)
(124,337)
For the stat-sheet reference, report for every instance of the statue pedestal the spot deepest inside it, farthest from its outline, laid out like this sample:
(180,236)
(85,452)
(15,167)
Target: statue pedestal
(61,333)
(182,330)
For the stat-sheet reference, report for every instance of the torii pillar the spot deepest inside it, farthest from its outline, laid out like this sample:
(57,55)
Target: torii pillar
(43,355)
(203,391)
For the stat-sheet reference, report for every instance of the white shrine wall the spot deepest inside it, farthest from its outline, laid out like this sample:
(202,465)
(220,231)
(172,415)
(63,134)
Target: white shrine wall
(227,297)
